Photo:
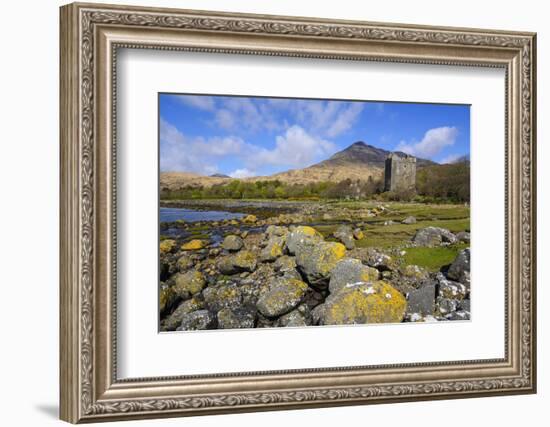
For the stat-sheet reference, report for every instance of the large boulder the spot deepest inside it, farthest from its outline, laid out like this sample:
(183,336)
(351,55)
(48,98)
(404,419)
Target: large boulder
(317,260)
(274,248)
(189,283)
(348,271)
(172,322)
(223,296)
(238,318)
(184,263)
(301,235)
(421,301)
(433,236)
(460,268)
(243,260)
(362,303)
(197,320)
(232,243)
(283,295)
(344,234)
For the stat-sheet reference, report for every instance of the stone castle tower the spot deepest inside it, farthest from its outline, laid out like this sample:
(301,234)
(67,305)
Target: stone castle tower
(400,173)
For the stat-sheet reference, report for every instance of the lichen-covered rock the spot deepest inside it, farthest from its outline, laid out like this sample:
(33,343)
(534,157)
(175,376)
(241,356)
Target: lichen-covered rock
(250,219)
(317,260)
(197,320)
(348,271)
(409,220)
(274,248)
(460,268)
(189,283)
(283,295)
(451,289)
(276,230)
(362,303)
(238,318)
(380,260)
(285,263)
(166,246)
(301,235)
(243,260)
(232,243)
(463,236)
(358,234)
(223,296)
(433,236)
(298,317)
(167,299)
(193,245)
(422,300)
(184,263)
(172,322)
(344,234)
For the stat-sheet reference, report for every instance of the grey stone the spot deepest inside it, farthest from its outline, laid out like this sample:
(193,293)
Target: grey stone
(301,235)
(174,320)
(463,236)
(282,296)
(223,296)
(433,236)
(232,243)
(345,235)
(236,319)
(274,248)
(348,271)
(197,320)
(460,268)
(409,220)
(422,300)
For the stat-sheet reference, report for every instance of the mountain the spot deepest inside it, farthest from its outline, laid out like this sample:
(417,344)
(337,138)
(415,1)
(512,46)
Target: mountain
(359,161)
(219,175)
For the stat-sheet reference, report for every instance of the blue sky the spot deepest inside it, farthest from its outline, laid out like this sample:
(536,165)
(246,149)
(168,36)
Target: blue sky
(250,136)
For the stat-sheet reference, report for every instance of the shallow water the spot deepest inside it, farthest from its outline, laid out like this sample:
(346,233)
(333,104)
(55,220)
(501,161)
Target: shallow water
(190,215)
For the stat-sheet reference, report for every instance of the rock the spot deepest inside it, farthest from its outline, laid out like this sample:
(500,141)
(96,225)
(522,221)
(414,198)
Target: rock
(422,300)
(362,303)
(184,263)
(358,234)
(282,296)
(317,260)
(193,245)
(285,263)
(250,219)
(236,319)
(463,236)
(390,222)
(189,283)
(174,320)
(348,271)
(417,317)
(300,235)
(232,243)
(409,220)
(166,246)
(223,296)
(296,318)
(433,236)
(243,260)
(274,248)
(344,234)
(167,299)
(276,230)
(460,268)
(464,305)
(380,260)
(197,320)
(446,306)
(451,289)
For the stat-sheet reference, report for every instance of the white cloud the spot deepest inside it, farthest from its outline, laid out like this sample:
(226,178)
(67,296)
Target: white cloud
(179,153)
(295,148)
(201,102)
(345,120)
(433,142)
(242,173)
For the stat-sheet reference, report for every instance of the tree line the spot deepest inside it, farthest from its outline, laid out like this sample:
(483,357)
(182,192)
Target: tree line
(438,183)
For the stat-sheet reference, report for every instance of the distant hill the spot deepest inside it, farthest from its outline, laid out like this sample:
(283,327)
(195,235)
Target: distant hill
(359,161)
(219,175)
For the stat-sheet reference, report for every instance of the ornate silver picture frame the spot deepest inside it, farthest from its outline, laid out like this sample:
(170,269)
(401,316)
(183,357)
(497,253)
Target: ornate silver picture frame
(91,36)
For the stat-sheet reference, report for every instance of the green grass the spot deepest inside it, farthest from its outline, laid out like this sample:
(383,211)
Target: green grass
(432,258)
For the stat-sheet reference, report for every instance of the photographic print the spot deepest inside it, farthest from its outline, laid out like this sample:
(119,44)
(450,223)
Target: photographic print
(279,212)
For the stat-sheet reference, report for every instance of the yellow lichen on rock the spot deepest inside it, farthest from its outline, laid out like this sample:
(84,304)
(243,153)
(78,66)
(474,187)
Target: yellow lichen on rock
(167,297)
(378,302)
(166,246)
(250,218)
(190,283)
(193,245)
